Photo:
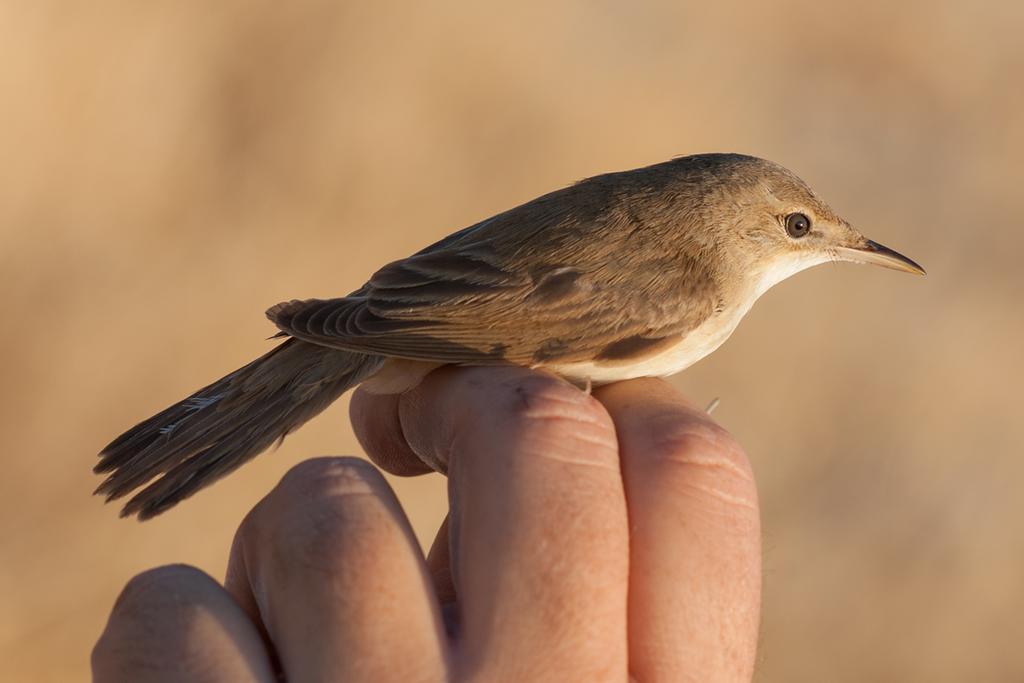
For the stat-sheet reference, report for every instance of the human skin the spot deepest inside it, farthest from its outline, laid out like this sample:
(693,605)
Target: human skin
(592,537)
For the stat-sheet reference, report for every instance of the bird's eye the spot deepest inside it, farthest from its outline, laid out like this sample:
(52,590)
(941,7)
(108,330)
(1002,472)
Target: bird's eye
(797,224)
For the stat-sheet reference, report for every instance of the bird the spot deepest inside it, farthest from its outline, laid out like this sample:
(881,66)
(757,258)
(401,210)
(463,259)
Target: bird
(627,274)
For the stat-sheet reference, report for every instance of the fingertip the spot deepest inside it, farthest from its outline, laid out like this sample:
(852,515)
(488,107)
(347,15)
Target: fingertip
(375,420)
(642,389)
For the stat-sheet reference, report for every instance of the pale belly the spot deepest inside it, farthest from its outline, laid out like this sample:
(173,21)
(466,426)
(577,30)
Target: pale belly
(686,352)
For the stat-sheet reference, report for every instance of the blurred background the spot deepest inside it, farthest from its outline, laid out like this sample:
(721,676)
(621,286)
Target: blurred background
(170,169)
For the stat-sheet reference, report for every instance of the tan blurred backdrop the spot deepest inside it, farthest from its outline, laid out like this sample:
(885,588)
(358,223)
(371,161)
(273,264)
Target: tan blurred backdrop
(170,169)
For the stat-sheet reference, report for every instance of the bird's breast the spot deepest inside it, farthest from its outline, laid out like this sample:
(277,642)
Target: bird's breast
(660,360)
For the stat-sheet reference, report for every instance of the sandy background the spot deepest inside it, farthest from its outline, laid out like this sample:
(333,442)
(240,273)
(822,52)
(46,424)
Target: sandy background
(170,169)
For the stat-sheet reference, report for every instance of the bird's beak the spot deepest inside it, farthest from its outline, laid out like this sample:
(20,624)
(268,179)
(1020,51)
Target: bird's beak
(867,251)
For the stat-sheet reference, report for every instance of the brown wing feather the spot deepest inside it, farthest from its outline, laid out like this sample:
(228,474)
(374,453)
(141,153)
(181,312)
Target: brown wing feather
(564,316)
(531,286)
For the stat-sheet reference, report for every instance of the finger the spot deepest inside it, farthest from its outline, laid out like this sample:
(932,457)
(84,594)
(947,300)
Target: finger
(439,564)
(695,563)
(330,563)
(176,623)
(538,521)
(375,422)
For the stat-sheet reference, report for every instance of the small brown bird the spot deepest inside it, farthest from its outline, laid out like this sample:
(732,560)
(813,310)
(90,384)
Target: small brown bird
(630,274)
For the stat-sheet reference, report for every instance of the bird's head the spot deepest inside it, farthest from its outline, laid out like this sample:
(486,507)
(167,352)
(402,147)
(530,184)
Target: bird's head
(774,226)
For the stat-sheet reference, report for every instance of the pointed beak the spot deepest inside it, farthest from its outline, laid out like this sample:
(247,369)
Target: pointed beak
(879,255)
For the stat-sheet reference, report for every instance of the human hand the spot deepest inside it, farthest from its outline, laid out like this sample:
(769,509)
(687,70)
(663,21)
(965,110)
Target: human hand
(589,538)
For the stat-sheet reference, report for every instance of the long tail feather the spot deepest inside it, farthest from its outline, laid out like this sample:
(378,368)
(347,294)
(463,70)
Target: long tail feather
(200,439)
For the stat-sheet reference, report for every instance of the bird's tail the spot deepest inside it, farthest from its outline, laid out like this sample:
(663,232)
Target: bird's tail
(196,441)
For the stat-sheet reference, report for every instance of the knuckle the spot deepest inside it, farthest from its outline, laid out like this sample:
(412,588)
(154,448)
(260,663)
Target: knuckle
(325,476)
(154,588)
(689,440)
(304,489)
(707,459)
(562,418)
(326,511)
(151,602)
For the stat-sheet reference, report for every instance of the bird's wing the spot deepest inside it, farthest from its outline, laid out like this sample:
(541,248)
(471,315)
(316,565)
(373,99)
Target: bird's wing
(456,308)
(536,285)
